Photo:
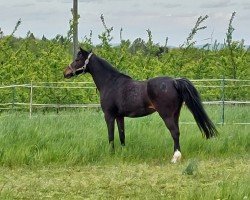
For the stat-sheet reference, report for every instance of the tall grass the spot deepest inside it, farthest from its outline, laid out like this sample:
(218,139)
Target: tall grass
(66,156)
(80,138)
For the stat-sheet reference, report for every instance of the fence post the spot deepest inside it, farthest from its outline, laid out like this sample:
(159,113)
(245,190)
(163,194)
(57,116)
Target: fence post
(223,100)
(31,98)
(13,96)
(75,28)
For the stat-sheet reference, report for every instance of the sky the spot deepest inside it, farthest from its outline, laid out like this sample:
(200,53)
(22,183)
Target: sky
(165,18)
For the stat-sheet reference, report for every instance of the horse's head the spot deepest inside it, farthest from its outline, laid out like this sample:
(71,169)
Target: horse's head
(79,65)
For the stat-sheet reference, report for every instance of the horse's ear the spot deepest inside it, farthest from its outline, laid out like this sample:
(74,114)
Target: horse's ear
(80,48)
(84,52)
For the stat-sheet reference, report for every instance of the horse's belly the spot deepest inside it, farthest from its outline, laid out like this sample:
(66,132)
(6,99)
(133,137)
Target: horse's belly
(139,112)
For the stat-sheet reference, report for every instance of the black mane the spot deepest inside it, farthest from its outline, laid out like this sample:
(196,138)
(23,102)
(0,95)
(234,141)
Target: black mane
(110,68)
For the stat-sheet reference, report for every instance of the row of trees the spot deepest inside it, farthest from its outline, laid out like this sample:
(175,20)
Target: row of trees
(25,60)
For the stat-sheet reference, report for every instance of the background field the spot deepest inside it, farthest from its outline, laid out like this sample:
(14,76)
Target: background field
(67,156)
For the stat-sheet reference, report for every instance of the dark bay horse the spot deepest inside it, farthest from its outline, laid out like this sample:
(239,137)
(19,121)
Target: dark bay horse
(121,96)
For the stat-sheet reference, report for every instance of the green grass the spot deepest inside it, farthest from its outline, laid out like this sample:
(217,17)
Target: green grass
(215,179)
(66,156)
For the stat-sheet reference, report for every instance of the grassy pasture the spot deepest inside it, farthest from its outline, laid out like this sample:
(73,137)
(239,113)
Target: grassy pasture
(66,156)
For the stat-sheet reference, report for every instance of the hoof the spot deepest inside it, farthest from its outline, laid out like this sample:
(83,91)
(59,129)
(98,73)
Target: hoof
(176,157)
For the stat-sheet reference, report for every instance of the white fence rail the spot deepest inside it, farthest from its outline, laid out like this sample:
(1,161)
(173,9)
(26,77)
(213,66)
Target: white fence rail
(201,83)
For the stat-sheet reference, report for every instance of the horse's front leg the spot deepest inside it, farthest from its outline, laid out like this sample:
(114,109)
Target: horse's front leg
(120,124)
(110,121)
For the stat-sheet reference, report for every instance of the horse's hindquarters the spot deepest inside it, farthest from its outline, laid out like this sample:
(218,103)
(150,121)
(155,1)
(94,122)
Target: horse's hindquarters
(163,94)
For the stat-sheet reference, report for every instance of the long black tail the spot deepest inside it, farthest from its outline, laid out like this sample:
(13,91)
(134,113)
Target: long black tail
(192,99)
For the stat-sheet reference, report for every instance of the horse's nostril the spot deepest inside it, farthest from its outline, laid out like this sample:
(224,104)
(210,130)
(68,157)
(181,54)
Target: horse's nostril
(66,75)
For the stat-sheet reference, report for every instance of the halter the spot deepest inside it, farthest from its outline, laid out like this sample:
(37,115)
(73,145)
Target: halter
(83,67)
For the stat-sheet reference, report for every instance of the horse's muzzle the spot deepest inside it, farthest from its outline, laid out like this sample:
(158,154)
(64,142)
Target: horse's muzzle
(67,73)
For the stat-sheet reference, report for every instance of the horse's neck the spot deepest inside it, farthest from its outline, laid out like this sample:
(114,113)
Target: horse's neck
(103,73)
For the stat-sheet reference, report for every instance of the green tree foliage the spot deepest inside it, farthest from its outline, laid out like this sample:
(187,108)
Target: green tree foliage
(26,60)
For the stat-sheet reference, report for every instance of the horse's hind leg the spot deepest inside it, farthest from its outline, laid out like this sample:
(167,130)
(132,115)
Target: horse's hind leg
(120,124)
(165,99)
(171,120)
(175,133)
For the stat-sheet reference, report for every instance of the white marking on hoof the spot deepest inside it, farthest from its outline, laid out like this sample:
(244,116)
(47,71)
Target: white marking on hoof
(176,156)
